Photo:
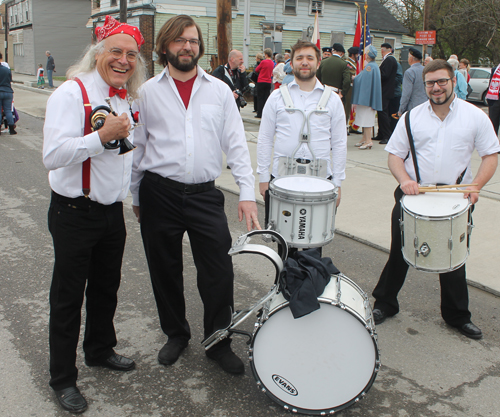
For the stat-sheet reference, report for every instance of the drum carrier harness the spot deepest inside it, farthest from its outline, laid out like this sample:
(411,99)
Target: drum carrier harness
(289,165)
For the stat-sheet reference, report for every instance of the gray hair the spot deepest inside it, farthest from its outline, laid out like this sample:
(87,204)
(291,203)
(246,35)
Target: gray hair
(453,63)
(279,58)
(88,63)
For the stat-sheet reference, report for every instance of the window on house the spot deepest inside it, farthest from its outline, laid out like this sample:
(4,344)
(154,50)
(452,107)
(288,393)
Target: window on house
(15,14)
(391,41)
(18,49)
(27,12)
(11,15)
(113,2)
(20,9)
(316,6)
(234,4)
(290,6)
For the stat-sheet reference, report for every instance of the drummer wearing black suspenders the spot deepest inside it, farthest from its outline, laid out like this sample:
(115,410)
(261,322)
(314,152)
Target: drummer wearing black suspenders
(308,122)
(445,130)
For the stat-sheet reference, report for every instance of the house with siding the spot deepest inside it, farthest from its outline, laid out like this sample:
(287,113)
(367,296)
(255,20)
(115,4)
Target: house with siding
(36,26)
(294,20)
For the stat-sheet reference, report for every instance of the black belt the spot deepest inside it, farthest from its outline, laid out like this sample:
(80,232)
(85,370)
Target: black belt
(185,188)
(80,202)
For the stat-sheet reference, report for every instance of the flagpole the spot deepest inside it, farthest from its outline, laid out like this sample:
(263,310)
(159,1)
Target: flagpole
(364,37)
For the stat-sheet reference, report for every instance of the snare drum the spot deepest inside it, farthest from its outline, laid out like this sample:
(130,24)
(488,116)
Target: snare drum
(435,231)
(302,210)
(320,363)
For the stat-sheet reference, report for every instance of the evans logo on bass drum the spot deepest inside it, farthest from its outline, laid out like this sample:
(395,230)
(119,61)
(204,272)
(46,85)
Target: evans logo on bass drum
(285,385)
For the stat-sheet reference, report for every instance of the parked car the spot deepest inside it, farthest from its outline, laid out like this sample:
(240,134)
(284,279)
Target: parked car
(479,82)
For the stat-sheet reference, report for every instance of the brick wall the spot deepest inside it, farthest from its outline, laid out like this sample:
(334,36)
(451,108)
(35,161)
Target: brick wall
(146,26)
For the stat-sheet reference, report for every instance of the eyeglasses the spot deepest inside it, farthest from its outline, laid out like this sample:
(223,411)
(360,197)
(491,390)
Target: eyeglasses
(182,42)
(118,53)
(441,82)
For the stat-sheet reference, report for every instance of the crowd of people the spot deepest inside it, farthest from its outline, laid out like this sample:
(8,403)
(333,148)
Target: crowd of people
(172,171)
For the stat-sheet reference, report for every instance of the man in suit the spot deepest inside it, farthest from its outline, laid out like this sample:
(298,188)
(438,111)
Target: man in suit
(413,87)
(388,70)
(334,72)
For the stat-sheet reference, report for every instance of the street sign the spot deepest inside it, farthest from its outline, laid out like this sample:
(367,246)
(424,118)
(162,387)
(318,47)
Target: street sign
(425,37)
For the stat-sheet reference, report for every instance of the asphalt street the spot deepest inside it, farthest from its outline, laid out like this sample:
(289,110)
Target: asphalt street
(428,368)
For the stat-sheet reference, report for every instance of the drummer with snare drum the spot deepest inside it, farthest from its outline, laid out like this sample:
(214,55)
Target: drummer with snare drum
(308,122)
(445,131)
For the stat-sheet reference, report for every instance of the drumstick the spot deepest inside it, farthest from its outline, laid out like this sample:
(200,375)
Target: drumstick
(448,186)
(434,190)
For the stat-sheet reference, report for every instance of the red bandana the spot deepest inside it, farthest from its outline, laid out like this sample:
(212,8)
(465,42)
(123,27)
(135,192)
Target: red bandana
(122,92)
(113,27)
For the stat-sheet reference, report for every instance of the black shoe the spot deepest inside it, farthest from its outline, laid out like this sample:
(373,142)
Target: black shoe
(470,330)
(257,117)
(357,132)
(115,362)
(377,138)
(71,400)
(171,351)
(12,130)
(227,360)
(384,142)
(379,316)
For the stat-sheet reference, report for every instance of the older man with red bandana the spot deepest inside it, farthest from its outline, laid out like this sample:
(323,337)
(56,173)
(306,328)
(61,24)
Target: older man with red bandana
(89,179)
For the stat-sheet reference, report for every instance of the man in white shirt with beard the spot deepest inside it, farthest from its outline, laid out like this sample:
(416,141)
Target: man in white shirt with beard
(280,129)
(189,118)
(446,130)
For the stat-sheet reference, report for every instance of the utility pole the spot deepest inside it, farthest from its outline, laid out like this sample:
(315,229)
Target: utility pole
(123,11)
(246,31)
(224,30)
(427,12)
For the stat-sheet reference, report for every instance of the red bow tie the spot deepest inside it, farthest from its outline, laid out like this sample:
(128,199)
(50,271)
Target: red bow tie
(121,92)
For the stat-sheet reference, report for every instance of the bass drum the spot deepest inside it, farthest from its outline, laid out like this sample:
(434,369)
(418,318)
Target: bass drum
(320,363)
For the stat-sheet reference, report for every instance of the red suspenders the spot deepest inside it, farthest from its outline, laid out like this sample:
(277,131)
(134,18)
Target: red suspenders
(87,130)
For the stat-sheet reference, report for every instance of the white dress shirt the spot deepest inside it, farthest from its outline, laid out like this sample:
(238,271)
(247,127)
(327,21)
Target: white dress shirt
(65,147)
(186,145)
(328,136)
(444,148)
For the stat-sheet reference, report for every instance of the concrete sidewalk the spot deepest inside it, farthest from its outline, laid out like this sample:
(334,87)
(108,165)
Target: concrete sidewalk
(367,193)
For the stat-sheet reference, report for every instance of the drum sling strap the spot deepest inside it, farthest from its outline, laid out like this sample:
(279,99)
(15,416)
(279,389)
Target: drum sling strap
(86,131)
(290,166)
(414,154)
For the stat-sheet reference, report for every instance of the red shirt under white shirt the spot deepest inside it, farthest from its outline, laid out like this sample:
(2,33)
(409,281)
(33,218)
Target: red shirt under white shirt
(186,144)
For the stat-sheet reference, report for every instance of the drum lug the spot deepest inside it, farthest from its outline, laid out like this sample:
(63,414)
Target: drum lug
(469,228)
(401,225)
(424,250)
(450,243)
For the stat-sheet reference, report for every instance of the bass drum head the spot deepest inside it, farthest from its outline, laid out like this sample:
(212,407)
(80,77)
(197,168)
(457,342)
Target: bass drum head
(320,363)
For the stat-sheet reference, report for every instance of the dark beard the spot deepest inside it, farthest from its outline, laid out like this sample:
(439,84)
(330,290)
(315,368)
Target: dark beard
(297,73)
(176,63)
(444,102)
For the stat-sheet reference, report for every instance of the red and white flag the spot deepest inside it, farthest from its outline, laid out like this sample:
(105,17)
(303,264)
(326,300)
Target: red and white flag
(315,37)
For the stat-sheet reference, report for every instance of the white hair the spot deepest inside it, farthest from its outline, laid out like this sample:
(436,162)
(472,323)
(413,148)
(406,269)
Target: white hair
(88,63)
(453,63)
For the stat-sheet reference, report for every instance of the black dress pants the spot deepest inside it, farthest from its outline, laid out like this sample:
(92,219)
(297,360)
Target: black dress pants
(166,213)
(384,122)
(89,239)
(494,113)
(454,292)
(393,108)
(263,92)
